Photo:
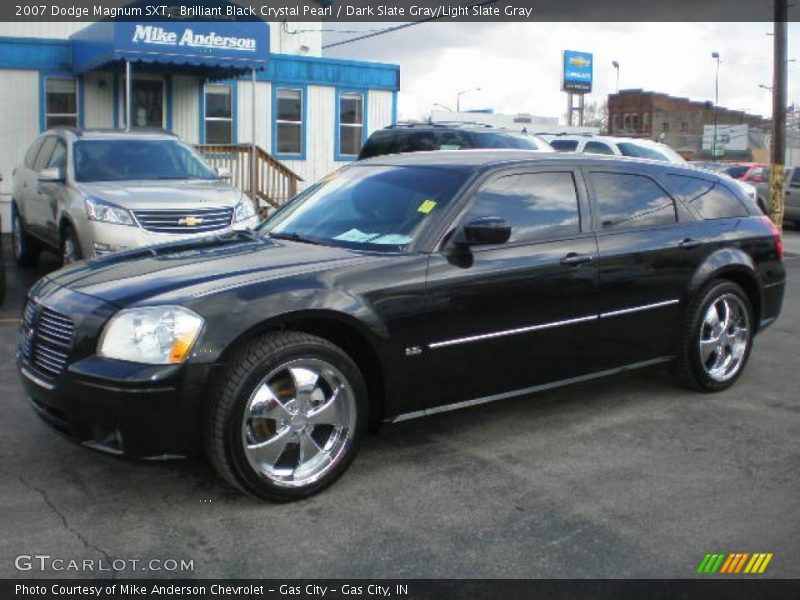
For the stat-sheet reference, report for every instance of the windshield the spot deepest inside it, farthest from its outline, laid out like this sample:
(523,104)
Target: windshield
(130,159)
(379,208)
(662,153)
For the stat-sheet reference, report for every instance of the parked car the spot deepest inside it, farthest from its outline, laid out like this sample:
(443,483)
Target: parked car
(402,286)
(634,148)
(422,137)
(88,193)
(751,172)
(792,191)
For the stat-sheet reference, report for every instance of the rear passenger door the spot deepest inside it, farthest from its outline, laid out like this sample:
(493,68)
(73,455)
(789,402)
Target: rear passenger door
(649,248)
(37,201)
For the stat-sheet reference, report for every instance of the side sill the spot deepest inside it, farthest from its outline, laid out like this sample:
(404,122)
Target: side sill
(529,390)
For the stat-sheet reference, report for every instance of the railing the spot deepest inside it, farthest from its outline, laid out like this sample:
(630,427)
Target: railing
(271,182)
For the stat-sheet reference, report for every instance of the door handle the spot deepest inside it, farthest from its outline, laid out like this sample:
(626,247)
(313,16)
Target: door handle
(573,258)
(690,243)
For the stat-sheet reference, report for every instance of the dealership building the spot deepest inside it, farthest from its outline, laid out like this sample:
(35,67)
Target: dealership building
(227,84)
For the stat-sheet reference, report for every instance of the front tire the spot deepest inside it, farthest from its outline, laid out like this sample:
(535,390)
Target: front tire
(26,249)
(717,339)
(70,247)
(288,416)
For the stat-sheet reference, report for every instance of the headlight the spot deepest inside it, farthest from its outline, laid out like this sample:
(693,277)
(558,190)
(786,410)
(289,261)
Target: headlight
(244,210)
(99,210)
(157,335)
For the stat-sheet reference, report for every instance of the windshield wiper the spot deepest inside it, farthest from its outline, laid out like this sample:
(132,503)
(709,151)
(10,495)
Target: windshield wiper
(295,237)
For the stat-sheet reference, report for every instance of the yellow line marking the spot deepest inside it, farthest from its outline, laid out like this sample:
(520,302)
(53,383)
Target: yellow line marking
(753,560)
(761,558)
(765,563)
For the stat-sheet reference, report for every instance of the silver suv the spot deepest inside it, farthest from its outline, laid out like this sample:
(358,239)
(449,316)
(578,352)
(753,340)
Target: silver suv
(89,193)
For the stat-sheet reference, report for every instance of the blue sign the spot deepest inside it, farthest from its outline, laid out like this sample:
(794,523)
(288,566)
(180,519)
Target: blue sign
(578,70)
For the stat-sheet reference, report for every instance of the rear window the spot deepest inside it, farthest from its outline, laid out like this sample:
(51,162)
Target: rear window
(735,172)
(710,200)
(564,145)
(400,141)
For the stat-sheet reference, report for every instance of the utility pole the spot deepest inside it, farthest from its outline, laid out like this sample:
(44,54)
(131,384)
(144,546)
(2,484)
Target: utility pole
(779,98)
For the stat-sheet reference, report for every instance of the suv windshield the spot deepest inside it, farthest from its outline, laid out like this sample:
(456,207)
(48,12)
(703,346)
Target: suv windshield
(130,159)
(376,208)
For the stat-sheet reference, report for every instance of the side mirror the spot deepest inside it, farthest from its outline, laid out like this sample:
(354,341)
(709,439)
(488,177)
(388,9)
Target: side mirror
(485,230)
(223,172)
(51,175)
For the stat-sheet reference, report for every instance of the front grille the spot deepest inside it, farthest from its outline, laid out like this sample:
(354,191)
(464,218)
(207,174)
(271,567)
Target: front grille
(46,339)
(189,220)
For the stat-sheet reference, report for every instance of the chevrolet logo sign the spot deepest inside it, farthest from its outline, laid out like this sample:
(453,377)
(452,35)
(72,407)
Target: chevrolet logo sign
(190,221)
(579,61)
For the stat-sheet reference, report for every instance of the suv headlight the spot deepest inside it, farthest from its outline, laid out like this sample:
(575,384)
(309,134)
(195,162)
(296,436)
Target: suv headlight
(244,209)
(156,335)
(100,210)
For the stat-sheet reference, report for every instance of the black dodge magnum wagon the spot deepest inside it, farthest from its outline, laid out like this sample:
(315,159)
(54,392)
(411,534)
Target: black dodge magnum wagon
(398,287)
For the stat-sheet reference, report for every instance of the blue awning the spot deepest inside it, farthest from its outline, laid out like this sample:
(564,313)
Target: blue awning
(211,47)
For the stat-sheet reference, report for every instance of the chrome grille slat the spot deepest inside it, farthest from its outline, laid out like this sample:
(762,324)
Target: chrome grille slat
(167,220)
(46,339)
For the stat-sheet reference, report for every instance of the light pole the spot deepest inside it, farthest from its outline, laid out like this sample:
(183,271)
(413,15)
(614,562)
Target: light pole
(447,108)
(715,55)
(765,87)
(616,66)
(458,97)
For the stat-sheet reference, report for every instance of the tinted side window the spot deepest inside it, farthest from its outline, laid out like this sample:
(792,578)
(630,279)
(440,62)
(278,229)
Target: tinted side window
(45,152)
(626,201)
(597,148)
(795,182)
(537,205)
(711,201)
(30,155)
(564,145)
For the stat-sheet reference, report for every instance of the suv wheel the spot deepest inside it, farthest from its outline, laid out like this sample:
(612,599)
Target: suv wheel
(70,248)
(288,416)
(26,250)
(717,341)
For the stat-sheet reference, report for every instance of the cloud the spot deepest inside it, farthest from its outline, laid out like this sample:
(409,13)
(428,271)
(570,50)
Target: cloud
(518,65)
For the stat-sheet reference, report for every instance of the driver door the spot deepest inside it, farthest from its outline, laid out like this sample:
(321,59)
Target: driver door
(505,317)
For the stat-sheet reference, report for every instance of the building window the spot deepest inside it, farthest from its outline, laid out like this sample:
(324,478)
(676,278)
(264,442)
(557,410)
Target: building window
(289,121)
(61,102)
(646,122)
(626,122)
(616,122)
(351,123)
(218,114)
(665,126)
(684,126)
(635,123)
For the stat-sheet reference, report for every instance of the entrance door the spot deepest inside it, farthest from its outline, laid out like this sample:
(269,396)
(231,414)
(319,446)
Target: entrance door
(147,108)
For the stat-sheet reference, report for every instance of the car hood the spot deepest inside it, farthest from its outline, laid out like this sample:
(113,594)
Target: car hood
(164,194)
(177,271)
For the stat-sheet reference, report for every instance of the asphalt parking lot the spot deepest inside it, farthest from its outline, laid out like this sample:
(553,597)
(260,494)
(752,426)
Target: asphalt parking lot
(628,477)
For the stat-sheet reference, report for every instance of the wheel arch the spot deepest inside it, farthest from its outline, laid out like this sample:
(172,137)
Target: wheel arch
(736,266)
(346,332)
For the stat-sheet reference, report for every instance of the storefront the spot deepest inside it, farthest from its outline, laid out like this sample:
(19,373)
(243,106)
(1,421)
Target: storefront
(209,83)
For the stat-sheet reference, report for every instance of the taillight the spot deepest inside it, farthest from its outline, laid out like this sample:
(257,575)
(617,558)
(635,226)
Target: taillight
(776,233)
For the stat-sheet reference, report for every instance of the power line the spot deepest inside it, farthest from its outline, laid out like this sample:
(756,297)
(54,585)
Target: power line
(403,25)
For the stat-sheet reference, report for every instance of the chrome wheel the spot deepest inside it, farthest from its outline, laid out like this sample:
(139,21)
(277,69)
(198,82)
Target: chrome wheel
(16,235)
(724,337)
(299,422)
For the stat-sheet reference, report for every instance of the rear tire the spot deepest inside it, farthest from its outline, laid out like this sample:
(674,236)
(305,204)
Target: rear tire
(717,338)
(288,416)
(26,249)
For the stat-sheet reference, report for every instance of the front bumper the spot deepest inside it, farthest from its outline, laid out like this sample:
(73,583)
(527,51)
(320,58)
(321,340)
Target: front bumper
(143,411)
(99,239)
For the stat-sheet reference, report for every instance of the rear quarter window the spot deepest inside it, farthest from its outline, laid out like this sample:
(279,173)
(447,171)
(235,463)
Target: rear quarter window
(630,201)
(564,145)
(709,199)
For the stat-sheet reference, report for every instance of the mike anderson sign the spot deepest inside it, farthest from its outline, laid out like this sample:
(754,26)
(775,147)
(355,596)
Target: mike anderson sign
(161,36)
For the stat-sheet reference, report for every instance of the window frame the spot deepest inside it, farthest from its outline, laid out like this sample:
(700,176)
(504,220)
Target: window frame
(303,89)
(364,93)
(44,76)
(597,225)
(204,118)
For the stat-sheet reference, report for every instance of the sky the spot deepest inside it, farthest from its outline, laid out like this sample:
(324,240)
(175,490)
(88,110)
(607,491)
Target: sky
(518,65)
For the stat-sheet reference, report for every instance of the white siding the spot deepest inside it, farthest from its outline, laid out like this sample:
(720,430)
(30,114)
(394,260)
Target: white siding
(263,113)
(186,108)
(19,126)
(98,100)
(320,133)
(380,110)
